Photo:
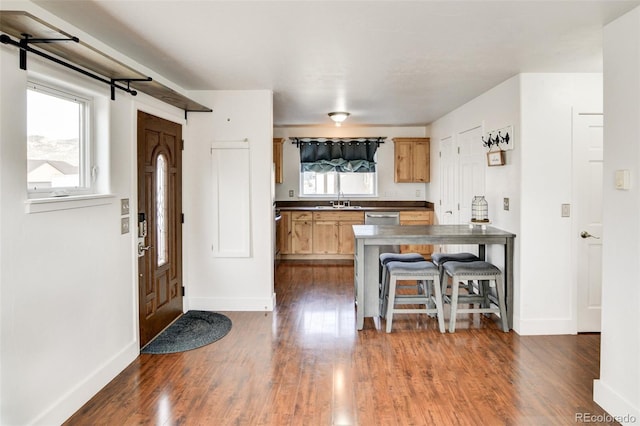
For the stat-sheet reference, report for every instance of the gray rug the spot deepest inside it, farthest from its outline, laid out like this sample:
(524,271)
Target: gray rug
(192,330)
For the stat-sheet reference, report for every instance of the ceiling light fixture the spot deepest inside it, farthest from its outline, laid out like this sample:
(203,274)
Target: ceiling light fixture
(338,117)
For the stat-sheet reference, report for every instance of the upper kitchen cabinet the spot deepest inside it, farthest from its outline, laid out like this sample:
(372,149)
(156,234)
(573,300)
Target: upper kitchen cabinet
(277,158)
(411,160)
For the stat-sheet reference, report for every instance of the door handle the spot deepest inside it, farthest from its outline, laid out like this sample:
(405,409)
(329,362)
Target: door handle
(142,248)
(448,212)
(585,234)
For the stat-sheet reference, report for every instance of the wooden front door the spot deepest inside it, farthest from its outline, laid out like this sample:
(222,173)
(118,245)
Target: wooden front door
(160,218)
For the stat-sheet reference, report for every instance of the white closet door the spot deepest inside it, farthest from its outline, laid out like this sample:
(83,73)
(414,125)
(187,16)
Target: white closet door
(230,182)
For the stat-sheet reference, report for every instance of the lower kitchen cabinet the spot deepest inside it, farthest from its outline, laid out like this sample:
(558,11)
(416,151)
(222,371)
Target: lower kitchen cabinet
(327,234)
(417,217)
(301,233)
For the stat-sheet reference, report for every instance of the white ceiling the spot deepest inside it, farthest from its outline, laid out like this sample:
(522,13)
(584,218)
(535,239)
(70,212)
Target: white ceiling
(386,62)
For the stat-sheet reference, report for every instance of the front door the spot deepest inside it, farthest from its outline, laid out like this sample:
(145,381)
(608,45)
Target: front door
(159,224)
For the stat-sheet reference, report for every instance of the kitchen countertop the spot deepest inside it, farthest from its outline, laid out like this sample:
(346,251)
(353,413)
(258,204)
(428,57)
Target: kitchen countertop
(321,205)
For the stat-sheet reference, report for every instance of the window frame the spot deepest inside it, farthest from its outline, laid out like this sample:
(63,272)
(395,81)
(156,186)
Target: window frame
(86,165)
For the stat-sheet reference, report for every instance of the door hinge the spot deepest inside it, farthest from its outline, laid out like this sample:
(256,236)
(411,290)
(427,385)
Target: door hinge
(183,290)
(182,145)
(181,217)
(458,150)
(440,154)
(458,206)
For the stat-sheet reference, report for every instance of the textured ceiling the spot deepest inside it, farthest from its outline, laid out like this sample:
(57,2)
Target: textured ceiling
(386,62)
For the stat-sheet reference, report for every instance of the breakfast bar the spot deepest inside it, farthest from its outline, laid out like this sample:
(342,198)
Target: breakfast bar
(369,238)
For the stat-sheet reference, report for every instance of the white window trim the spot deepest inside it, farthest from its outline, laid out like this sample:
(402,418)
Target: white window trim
(87,145)
(40,205)
(333,196)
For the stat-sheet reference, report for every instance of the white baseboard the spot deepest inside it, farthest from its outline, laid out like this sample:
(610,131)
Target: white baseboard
(546,327)
(619,408)
(74,399)
(232,304)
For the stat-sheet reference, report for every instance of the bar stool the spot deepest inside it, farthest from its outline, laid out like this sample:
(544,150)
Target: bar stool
(440,259)
(383,276)
(484,272)
(426,273)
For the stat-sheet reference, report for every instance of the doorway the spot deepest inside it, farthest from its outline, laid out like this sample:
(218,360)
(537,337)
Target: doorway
(159,224)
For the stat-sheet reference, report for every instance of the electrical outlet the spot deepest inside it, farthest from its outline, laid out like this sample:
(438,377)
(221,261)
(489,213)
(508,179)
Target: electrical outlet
(291,193)
(124,206)
(418,193)
(566,210)
(505,204)
(124,225)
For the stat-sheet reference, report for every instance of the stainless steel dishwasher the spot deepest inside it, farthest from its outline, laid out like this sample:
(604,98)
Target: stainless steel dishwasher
(383,218)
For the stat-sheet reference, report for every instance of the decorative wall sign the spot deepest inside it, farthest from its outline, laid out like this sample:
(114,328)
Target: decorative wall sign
(496,158)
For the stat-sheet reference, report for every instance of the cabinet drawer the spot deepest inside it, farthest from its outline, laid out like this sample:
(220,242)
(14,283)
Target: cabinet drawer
(416,216)
(301,215)
(339,216)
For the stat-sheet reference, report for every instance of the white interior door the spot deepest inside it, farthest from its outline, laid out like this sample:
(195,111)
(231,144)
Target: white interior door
(472,164)
(448,181)
(472,161)
(587,153)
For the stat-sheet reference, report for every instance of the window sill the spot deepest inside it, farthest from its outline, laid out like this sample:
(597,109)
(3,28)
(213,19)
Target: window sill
(40,205)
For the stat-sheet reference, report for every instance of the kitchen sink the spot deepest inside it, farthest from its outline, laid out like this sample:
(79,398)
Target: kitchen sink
(337,207)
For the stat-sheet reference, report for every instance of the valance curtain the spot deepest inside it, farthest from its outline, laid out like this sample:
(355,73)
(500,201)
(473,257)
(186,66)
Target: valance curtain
(339,154)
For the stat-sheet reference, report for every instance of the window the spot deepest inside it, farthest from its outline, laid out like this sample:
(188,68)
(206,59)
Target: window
(338,166)
(58,143)
(334,183)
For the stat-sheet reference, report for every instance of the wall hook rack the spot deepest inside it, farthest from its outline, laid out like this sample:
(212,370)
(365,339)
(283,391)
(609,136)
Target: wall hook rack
(496,139)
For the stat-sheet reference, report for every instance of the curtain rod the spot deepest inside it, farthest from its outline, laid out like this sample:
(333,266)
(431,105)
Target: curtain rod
(377,139)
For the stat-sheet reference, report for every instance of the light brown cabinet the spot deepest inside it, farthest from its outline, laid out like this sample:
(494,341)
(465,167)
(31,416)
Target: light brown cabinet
(412,160)
(318,234)
(283,237)
(417,217)
(301,233)
(277,158)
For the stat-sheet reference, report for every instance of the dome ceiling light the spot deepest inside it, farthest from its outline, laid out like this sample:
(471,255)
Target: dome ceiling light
(338,117)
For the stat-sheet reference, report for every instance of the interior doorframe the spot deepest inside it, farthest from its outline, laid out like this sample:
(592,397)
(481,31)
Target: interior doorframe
(133,206)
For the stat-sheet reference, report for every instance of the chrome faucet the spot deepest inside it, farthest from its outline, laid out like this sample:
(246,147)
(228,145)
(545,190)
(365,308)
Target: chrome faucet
(340,203)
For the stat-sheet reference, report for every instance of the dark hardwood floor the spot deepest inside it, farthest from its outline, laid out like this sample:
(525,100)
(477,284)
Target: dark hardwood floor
(305,364)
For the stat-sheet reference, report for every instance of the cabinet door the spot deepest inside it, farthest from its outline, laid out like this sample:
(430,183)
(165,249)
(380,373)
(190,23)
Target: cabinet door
(325,237)
(403,161)
(283,237)
(421,162)
(301,237)
(346,237)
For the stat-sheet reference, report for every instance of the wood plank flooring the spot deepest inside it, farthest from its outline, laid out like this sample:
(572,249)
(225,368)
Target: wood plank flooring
(305,364)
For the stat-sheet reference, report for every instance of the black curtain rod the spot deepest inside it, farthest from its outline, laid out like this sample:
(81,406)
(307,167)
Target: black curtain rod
(24,46)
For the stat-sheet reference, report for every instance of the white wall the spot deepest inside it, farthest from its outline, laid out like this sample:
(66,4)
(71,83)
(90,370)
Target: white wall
(618,390)
(229,283)
(68,287)
(387,188)
(547,105)
(539,107)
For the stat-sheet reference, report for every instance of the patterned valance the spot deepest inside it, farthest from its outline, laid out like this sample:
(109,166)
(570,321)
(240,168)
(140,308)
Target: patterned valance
(352,155)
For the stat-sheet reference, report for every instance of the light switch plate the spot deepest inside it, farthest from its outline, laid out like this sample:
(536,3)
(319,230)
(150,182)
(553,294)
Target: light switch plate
(566,210)
(124,225)
(623,179)
(124,206)
(505,204)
